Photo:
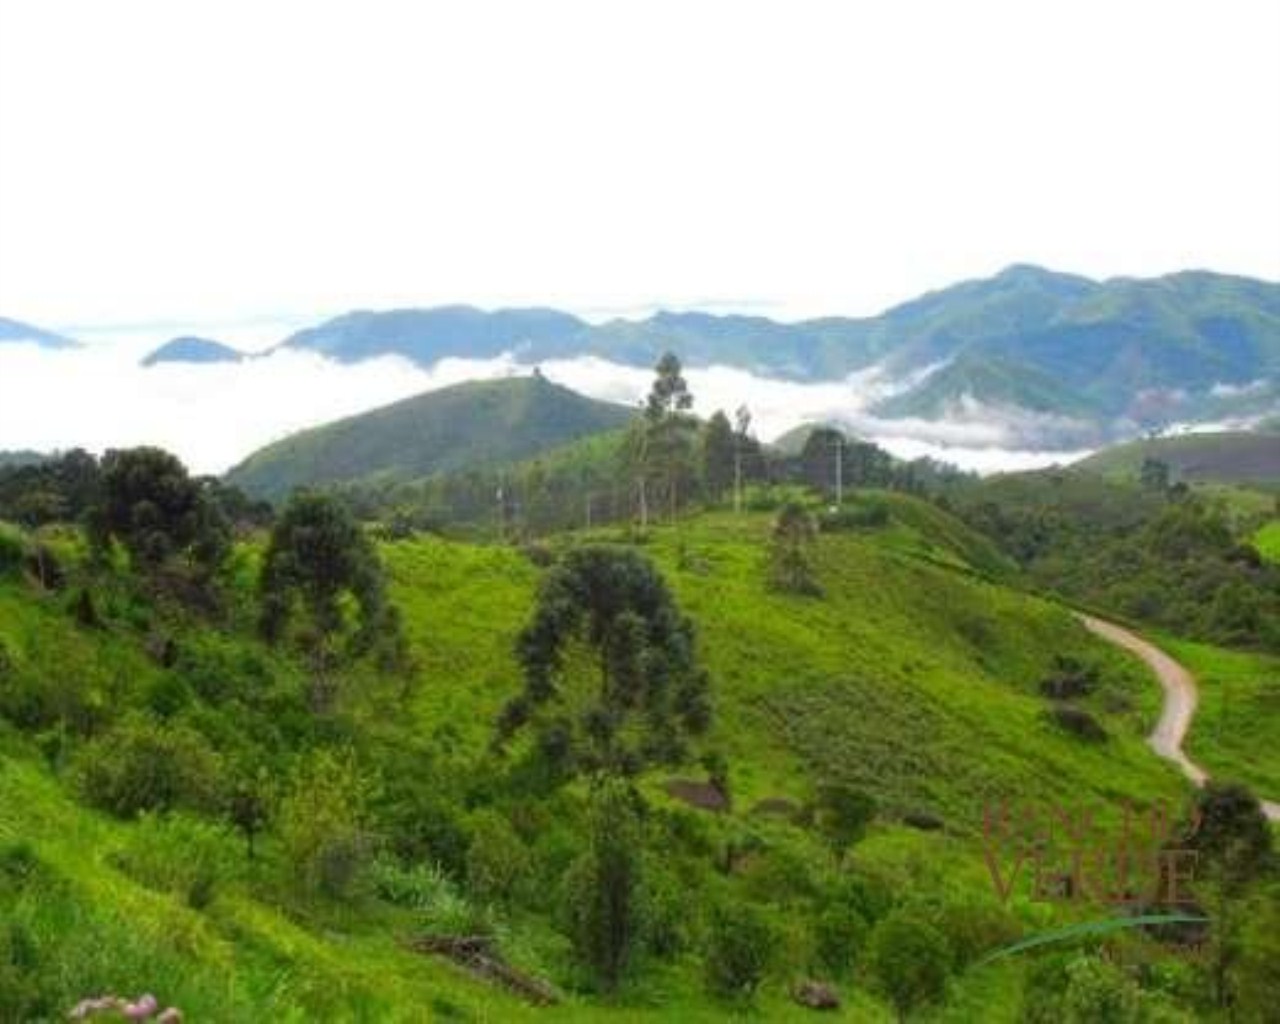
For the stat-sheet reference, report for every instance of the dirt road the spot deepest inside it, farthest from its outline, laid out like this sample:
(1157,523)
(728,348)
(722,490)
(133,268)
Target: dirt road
(1180,696)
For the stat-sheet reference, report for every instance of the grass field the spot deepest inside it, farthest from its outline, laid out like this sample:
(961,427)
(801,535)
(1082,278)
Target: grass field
(1236,731)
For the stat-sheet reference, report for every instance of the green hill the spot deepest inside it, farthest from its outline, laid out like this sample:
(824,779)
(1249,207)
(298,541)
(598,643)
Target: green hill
(472,425)
(913,678)
(1227,457)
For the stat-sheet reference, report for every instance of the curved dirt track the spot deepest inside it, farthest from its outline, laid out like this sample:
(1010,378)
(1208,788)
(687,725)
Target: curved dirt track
(1180,696)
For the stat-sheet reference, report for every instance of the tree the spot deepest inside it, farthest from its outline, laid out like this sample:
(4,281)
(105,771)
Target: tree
(669,429)
(604,885)
(317,555)
(149,503)
(719,453)
(823,450)
(1154,475)
(842,815)
(1233,839)
(648,694)
(794,533)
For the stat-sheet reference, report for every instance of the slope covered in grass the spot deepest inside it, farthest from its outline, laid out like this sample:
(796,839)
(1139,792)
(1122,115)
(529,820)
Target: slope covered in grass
(914,678)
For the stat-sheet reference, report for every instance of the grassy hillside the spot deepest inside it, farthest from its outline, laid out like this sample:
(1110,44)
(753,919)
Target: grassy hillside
(1267,541)
(1236,731)
(470,426)
(1230,457)
(914,678)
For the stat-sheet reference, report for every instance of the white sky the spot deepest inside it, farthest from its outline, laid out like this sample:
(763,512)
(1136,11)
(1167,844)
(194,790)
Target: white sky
(231,159)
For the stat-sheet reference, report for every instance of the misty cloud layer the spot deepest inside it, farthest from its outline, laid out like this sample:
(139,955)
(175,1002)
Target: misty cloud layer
(212,416)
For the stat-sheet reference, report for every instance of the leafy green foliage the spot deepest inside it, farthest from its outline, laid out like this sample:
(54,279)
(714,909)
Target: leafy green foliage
(790,565)
(150,505)
(649,693)
(910,959)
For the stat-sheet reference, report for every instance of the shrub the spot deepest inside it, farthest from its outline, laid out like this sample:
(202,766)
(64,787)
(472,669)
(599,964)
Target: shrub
(322,824)
(741,946)
(910,959)
(498,863)
(142,765)
(1078,722)
(854,517)
(1069,679)
(13,551)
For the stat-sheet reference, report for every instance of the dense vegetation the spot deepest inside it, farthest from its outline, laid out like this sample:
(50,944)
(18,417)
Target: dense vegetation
(282,764)
(1146,550)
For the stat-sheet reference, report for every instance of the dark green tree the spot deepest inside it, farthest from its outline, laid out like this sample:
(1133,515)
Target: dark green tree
(150,505)
(719,450)
(842,814)
(605,885)
(648,693)
(1154,475)
(317,556)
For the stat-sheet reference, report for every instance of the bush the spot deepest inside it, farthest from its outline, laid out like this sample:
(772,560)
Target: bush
(910,959)
(13,551)
(854,517)
(740,949)
(143,765)
(1078,722)
(1069,679)
(498,863)
(322,824)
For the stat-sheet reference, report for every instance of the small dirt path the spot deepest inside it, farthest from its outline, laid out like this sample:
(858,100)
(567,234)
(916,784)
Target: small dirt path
(1180,698)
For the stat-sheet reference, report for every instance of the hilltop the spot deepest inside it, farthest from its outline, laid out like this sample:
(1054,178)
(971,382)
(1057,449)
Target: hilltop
(1225,457)
(190,349)
(467,426)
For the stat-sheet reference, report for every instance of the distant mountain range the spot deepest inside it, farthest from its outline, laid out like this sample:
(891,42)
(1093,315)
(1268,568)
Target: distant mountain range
(190,349)
(15,331)
(1098,359)
(467,426)
(1054,361)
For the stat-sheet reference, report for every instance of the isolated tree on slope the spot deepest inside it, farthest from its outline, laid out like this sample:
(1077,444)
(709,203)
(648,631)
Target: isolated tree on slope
(794,533)
(669,429)
(718,453)
(318,555)
(648,695)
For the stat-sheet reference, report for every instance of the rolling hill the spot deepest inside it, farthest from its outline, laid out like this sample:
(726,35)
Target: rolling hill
(1094,358)
(189,349)
(471,425)
(1226,457)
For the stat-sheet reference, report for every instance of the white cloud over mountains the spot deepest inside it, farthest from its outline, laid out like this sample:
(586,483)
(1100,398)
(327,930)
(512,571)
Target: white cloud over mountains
(213,415)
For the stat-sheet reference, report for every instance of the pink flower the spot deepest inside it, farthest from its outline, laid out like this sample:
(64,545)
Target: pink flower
(142,1009)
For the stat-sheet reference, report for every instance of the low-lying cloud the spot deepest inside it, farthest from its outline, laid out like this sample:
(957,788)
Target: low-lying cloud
(213,415)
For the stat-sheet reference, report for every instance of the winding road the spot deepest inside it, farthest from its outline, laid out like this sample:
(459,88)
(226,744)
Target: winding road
(1180,696)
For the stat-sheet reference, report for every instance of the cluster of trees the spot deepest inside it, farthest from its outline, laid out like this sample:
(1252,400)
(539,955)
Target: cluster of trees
(1158,553)
(665,462)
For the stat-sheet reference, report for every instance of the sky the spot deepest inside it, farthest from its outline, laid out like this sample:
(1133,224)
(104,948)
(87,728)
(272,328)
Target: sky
(237,162)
